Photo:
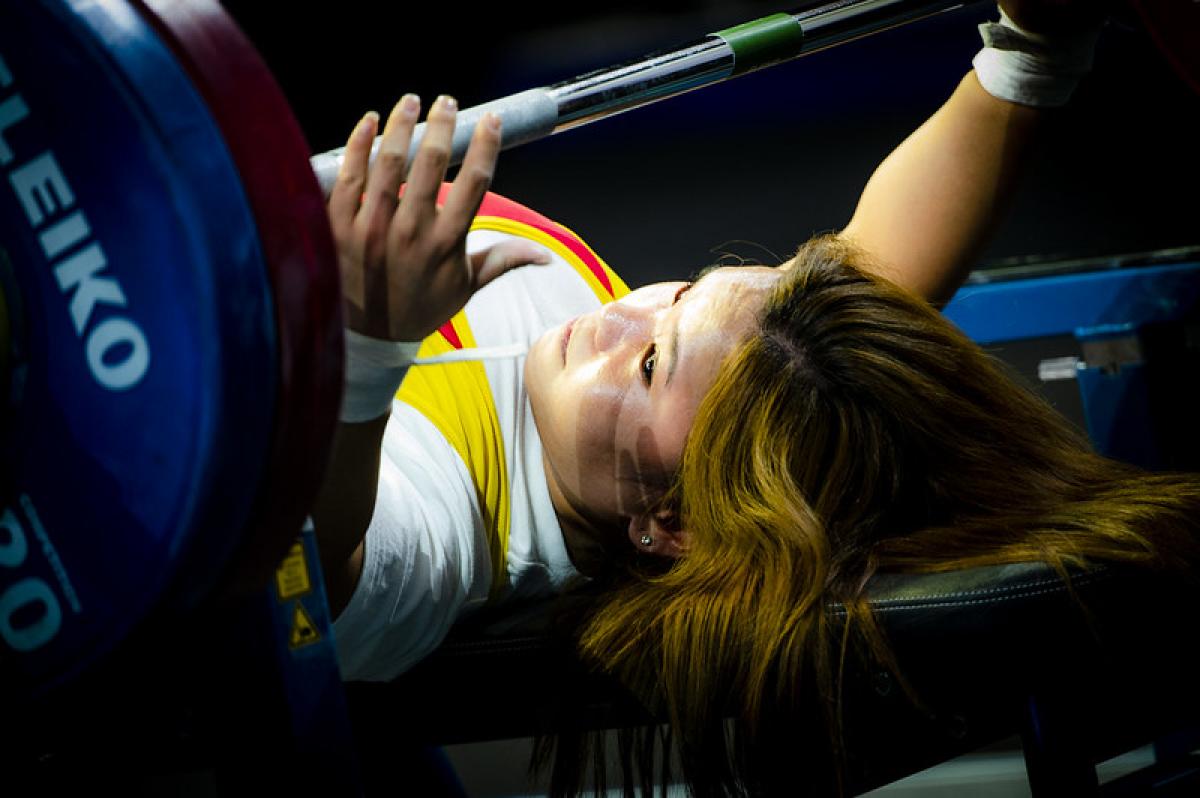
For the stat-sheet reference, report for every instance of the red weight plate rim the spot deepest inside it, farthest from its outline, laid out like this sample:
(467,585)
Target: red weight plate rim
(272,156)
(1175,30)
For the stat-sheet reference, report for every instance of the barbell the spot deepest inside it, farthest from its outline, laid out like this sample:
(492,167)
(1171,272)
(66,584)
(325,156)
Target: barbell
(170,328)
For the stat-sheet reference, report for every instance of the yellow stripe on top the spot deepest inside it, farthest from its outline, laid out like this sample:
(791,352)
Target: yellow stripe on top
(556,245)
(457,399)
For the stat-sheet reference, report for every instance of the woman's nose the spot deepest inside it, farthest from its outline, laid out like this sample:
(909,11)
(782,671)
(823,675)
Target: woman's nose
(622,322)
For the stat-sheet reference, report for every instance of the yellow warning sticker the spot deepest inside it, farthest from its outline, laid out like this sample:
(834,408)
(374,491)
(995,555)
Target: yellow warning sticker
(304,631)
(291,577)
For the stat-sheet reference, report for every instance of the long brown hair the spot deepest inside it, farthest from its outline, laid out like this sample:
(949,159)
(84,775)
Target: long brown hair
(857,431)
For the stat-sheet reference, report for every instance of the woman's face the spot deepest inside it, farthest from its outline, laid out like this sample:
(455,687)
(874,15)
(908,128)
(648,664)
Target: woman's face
(614,391)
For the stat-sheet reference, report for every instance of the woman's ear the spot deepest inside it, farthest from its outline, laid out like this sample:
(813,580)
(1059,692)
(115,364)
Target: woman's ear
(659,533)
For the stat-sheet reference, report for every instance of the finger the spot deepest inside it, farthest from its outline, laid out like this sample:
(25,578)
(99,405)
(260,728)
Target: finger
(352,177)
(387,173)
(432,159)
(494,261)
(474,177)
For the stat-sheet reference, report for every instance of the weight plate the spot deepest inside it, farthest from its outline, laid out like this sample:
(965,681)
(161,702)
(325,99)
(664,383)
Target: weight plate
(273,158)
(1174,28)
(140,408)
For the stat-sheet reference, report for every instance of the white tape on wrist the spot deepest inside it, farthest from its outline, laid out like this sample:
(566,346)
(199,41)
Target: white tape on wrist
(374,371)
(1029,69)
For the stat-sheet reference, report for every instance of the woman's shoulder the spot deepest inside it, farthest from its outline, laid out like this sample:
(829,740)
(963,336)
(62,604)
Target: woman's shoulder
(504,215)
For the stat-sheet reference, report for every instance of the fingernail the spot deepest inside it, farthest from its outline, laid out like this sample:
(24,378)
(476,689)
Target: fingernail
(410,104)
(492,121)
(543,256)
(448,102)
(370,119)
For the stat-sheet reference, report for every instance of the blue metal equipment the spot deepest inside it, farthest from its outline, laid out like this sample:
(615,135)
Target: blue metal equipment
(1125,330)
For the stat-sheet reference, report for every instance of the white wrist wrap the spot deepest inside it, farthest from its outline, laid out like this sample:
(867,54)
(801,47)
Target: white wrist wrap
(374,371)
(1030,69)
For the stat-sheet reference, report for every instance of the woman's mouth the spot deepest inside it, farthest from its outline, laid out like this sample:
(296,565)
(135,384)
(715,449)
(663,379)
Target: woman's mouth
(568,328)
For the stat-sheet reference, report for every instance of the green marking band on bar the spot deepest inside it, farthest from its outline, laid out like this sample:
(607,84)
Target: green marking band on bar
(763,41)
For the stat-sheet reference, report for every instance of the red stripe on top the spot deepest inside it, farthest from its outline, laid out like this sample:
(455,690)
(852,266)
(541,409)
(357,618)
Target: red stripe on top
(451,335)
(503,207)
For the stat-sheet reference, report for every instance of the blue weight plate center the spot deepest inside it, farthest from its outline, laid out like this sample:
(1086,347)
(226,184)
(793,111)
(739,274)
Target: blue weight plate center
(144,406)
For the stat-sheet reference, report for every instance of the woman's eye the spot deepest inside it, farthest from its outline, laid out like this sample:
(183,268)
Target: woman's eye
(650,359)
(648,363)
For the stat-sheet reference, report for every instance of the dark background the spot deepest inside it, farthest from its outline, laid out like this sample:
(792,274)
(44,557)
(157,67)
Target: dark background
(755,165)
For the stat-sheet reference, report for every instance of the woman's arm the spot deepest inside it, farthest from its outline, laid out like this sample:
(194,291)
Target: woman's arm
(932,205)
(405,271)
(934,202)
(345,505)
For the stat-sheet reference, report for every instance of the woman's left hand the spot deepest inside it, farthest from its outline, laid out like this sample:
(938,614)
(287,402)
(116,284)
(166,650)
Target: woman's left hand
(405,268)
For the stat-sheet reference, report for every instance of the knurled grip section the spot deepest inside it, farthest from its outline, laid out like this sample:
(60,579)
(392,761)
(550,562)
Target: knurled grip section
(525,117)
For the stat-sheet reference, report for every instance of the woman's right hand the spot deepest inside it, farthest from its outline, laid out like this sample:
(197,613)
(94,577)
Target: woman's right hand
(405,268)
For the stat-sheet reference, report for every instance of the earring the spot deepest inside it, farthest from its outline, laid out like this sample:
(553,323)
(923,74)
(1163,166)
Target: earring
(647,541)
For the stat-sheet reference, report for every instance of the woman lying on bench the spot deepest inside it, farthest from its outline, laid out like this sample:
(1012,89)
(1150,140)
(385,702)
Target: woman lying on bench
(725,457)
